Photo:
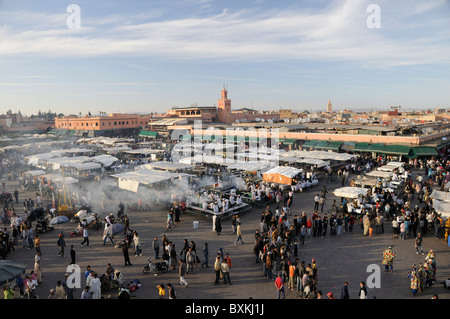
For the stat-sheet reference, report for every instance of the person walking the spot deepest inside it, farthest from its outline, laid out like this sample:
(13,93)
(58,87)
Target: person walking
(218,225)
(30,237)
(161,291)
(126,256)
(137,244)
(61,244)
(69,290)
(16,195)
(171,293)
(388,259)
(72,255)
(268,265)
(344,291)
(126,224)
(321,203)
(85,237)
(339,225)
(182,271)
(414,281)
(302,235)
(217,270)
(205,254)
(234,223)
(37,243)
(155,247)
(107,234)
(292,269)
(225,268)
(362,290)
(190,260)
(316,202)
(418,244)
(59,290)
(239,234)
(38,268)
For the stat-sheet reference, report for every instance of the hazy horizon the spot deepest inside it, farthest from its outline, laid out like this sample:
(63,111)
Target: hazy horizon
(152,55)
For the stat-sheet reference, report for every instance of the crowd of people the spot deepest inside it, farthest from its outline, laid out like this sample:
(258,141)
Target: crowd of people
(277,242)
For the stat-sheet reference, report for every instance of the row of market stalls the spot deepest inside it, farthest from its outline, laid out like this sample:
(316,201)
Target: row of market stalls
(378,148)
(74,161)
(389,149)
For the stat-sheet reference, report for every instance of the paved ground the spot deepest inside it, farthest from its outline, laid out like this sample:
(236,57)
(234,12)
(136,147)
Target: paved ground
(339,259)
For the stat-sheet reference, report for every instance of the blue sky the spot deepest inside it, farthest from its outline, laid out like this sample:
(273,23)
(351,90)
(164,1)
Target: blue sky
(147,56)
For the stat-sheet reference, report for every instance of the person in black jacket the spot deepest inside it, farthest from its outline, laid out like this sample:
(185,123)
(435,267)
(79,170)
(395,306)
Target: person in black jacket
(344,291)
(218,226)
(72,255)
(125,254)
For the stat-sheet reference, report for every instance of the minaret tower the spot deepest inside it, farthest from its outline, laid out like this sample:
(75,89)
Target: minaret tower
(329,109)
(224,108)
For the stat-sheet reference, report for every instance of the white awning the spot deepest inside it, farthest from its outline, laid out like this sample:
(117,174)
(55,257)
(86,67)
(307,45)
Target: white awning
(350,192)
(382,174)
(440,195)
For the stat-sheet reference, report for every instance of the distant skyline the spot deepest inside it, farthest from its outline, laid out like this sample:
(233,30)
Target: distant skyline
(148,56)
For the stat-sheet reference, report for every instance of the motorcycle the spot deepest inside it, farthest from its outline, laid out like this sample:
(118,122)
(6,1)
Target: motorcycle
(159,267)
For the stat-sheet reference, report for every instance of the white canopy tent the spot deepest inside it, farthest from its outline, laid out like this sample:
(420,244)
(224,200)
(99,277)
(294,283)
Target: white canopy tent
(105,160)
(440,195)
(350,192)
(60,162)
(165,166)
(381,174)
(36,172)
(442,208)
(322,155)
(132,180)
(86,166)
(58,179)
(249,166)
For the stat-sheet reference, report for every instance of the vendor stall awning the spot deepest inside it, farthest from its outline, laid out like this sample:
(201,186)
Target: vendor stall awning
(321,145)
(348,146)
(150,134)
(361,147)
(376,148)
(383,149)
(397,150)
(334,146)
(309,144)
(424,151)
(289,141)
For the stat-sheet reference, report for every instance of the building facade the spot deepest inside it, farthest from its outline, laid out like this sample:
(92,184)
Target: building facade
(113,121)
(206,114)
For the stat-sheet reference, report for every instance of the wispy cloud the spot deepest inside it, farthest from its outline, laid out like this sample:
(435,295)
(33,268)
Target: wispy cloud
(335,33)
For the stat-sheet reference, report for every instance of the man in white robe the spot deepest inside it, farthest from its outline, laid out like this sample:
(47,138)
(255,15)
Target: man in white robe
(96,287)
